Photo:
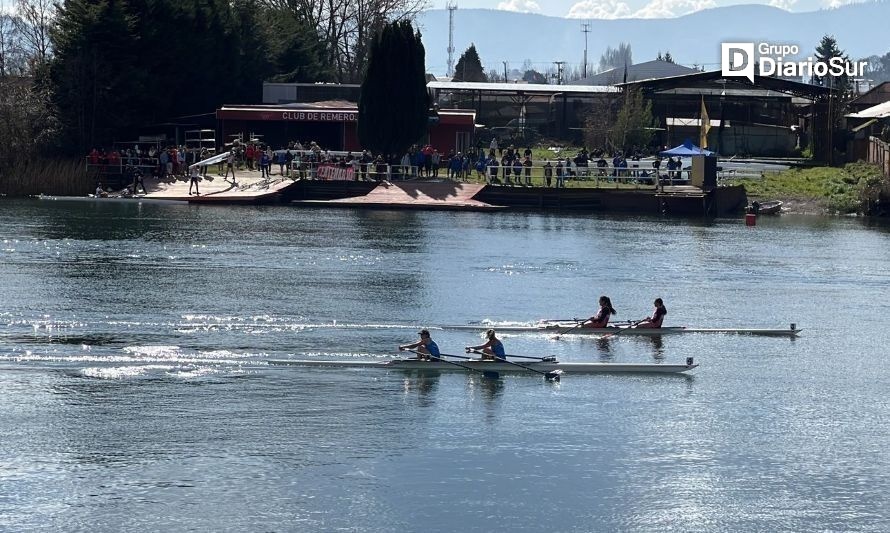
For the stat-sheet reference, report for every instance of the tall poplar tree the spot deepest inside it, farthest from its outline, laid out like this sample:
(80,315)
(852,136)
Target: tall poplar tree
(394,105)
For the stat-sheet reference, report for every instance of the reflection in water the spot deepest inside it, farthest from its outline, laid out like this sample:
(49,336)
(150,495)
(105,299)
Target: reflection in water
(604,345)
(657,346)
(424,383)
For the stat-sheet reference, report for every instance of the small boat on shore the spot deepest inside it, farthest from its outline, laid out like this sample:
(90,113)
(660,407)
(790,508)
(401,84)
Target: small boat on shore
(495,366)
(771,207)
(570,328)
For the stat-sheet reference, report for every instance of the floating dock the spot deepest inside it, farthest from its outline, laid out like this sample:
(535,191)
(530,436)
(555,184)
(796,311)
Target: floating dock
(248,188)
(446,195)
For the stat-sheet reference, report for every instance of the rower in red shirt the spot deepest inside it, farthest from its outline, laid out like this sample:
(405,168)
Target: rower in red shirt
(657,317)
(601,318)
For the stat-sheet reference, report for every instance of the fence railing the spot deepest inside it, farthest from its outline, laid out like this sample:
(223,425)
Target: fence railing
(879,154)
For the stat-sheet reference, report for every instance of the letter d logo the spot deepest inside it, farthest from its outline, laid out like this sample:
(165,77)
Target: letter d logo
(737,59)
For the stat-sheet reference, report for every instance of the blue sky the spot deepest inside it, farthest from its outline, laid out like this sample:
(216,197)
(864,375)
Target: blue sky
(609,9)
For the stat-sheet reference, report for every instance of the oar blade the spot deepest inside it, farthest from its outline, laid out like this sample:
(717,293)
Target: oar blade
(553,375)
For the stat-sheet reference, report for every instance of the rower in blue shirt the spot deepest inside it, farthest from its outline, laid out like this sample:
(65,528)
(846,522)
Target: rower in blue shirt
(492,349)
(425,347)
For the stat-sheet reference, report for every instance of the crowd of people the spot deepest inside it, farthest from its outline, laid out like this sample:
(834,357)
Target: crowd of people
(508,166)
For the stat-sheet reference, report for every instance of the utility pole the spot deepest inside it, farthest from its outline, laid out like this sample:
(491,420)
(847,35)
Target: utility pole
(559,66)
(585,29)
(452,7)
(505,71)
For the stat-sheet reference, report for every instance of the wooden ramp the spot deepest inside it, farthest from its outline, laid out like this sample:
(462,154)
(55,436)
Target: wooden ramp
(250,188)
(414,195)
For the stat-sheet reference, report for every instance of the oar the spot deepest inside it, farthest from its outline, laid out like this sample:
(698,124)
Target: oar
(618,332)
(490,374)
(573,328)
(551,375)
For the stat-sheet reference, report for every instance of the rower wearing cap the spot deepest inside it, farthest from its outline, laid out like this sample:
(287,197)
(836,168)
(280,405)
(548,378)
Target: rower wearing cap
(601,318)
(657,317)
(492,349)
(425,347)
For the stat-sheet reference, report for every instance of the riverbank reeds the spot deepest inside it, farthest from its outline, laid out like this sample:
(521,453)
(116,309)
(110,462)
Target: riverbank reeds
(57,177)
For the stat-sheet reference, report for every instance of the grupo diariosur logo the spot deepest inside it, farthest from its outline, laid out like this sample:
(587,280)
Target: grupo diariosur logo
(738,59)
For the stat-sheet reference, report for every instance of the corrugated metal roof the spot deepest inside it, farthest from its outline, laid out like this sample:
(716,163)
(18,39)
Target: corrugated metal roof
(640,71)
(878,111)
(520,87)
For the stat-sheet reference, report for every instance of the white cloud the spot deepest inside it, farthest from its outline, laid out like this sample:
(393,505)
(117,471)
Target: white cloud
(783,4)
(616,9)
(672,8)
(521,6)
(599,9)
(839,3)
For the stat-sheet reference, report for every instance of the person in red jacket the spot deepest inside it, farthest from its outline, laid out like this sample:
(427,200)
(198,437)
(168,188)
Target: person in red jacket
(657,317)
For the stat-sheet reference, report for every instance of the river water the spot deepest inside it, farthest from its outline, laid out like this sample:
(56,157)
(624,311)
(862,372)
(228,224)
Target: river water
(136,394)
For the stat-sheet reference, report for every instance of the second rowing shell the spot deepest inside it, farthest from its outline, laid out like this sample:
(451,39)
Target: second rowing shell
(570,329)
(493,366)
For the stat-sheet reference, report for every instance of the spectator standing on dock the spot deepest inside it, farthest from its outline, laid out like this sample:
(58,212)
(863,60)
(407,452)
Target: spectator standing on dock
(517,169)
(568,171)
(492,169)
(480,167)
(379,169)
(203,156)
(454,166)
(528,168)
(419,162)
(288,161)
(493,147)
(428,160)
(137,180)
(616,162)
(250,154)
(623,168)
(508,169)
(163,159)
(560,174)
(193,180)
(435,161)
(230,165)
(548,173)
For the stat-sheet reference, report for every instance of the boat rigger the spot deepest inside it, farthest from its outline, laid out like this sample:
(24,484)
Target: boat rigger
(495,366)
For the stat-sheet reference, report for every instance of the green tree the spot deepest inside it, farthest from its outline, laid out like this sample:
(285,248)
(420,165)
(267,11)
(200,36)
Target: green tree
(827,50)
(296,50)
(469,66)
(634,124)
(394,106)
(96,72)
(111,74)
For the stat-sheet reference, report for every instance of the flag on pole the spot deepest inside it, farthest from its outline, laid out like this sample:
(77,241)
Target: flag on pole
(705,125)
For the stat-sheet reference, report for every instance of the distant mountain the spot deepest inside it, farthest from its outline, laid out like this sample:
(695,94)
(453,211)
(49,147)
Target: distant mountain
(691,39)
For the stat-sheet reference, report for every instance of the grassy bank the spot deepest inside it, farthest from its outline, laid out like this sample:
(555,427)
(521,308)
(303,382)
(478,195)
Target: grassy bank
(855,188)
(60,177)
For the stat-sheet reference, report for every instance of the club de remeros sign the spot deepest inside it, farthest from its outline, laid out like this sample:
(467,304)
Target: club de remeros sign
(319,116)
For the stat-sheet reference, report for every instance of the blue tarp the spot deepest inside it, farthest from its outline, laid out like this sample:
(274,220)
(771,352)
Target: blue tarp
(687,149)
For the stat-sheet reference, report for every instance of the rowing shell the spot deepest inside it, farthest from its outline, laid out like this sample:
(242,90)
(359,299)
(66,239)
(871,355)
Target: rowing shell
(571,329)
(493,366)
